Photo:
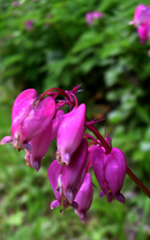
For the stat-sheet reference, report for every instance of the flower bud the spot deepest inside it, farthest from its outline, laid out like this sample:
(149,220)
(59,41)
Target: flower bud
(70,134)
(84,197)
(110,170)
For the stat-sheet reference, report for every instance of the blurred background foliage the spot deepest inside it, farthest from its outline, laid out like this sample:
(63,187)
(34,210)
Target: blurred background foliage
(61,50)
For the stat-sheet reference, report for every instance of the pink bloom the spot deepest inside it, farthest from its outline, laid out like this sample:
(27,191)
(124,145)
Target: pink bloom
(23,104)
(70,134)
(29,118)
(91,16)
(39,146)
(140,15)
(144,31)
(110,170)
(141,21)
(84,197)
(29,25)
(66,180)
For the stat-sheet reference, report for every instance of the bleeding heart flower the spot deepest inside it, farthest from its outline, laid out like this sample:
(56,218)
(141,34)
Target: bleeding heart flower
(29,118)
(110,170)
(67,179)
(39,146)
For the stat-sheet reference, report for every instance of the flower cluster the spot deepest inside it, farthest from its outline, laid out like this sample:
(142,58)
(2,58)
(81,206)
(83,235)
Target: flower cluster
(36,121)
(141,21)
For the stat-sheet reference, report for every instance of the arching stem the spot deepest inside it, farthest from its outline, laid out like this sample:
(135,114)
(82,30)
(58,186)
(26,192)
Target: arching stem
(138,182)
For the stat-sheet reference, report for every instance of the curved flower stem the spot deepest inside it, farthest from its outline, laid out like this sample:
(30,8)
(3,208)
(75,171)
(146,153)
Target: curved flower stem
(100,137)
(75,99)
(138,182)
(55,89)
(66,94)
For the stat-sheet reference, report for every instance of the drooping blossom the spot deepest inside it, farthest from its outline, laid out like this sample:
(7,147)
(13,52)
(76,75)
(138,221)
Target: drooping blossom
(70,134)
(141,14)
(84,197)
(29,25)
(66,179)
(29,118)
(110,170)
(141,21)
(53,175)
(39,146)
(91,16)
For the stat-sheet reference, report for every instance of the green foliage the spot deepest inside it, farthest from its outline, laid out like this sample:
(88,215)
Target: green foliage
(62,50)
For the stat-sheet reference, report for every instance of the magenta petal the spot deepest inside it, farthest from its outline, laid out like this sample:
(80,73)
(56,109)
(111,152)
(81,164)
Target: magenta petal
(70,134)
(38,119)
(99,162)
(143,32)
(22,106)
(74,205)
(53,175)
(40,145)
(84,197)
(7,139)
(54,204)
(120,198)
(82,216)
(116,170)
(137,15)
(72,173)
(102,194)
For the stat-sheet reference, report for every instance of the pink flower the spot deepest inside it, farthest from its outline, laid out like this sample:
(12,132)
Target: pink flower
(39,146)
(140,15)
(110,170)
(141,21)
(29,25)
(91,16)
(144,32)
(66,180)
(70,134)
(84,197)
(29,118)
